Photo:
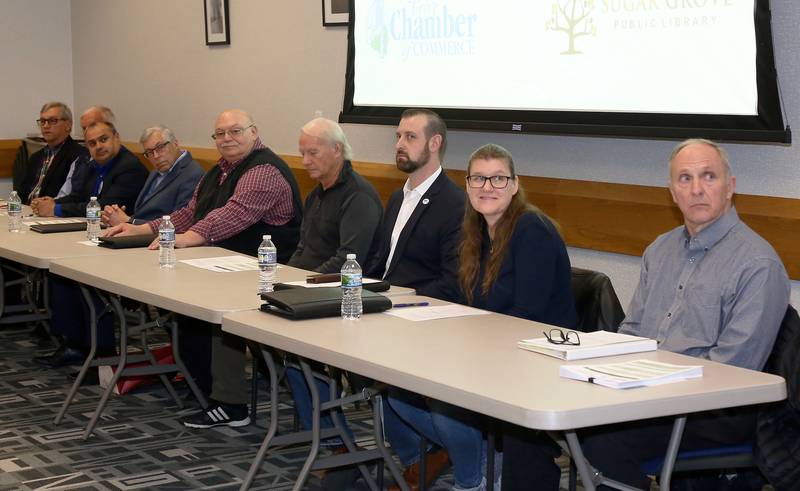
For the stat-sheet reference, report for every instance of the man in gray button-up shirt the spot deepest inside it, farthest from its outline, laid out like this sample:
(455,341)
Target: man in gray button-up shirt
(711,288)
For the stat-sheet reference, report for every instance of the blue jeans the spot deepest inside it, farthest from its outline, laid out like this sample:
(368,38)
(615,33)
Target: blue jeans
(302,403)
(454,428)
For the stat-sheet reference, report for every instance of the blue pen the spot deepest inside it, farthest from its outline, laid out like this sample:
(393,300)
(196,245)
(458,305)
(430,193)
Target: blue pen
(414,304)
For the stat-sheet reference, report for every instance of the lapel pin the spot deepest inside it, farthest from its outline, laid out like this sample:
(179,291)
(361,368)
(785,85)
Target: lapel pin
(426,201)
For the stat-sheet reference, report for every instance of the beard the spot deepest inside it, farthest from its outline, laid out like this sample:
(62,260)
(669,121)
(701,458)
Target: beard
(408,165)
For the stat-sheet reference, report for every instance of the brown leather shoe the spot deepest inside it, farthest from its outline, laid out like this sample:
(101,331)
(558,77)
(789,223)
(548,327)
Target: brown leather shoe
(435,463)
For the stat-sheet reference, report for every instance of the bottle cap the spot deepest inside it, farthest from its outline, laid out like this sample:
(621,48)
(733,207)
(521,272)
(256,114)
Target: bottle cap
(92,198)
(351,256)
(165,217)
(266,237)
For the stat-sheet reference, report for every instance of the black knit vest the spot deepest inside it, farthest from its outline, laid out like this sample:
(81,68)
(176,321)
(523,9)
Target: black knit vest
(213,195)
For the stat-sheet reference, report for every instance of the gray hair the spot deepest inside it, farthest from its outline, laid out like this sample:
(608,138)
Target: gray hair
(159,128)
(66,113)
(331,132)
(108,114)
(723,155)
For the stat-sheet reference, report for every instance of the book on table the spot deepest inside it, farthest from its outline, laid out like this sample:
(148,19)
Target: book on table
(592,345)
(630,374)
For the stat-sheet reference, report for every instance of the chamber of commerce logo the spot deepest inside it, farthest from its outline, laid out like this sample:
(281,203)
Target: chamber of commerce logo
(573,18)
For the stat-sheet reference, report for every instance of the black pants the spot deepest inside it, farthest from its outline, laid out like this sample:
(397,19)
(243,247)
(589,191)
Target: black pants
(195,350)
(70,317)
(618,451)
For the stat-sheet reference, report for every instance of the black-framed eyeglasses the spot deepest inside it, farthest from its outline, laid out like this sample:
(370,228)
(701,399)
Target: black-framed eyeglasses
(234,132)
(49,121)
(497,182)
(156,150)
(559,336)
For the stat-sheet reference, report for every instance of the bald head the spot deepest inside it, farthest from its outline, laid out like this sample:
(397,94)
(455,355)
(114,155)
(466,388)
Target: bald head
(235,134)
(96,114)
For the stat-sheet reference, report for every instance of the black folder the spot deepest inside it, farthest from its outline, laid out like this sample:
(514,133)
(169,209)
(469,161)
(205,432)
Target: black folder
(313,303)
(127,241)
(51,228)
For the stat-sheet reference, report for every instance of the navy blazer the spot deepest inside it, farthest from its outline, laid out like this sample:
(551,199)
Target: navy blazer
(172,194)
(426,255)
(121,186)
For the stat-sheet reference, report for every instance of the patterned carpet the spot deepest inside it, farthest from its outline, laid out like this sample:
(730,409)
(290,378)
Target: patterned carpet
(138,444)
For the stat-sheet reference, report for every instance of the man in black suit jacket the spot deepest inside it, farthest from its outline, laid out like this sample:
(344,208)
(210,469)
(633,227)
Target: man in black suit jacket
(419,249)
(116,176)
(47,168)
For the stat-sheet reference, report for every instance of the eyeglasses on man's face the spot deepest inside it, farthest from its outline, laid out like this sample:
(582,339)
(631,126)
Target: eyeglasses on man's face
(41,122)
(234,132)
(559,336)
(497,182)
(152,152)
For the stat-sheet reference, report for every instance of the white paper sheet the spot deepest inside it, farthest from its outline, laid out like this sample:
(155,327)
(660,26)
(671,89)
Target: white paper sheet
(417,314)
(224,264)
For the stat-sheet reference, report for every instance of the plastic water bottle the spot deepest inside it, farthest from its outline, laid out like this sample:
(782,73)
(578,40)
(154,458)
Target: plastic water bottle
(351,289)
(166,243)
(93,219)
(267,265)
(14,212)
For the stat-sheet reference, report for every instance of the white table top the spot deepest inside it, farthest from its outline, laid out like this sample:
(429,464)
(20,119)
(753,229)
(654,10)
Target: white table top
(38,250)
(473,362)
(186,289)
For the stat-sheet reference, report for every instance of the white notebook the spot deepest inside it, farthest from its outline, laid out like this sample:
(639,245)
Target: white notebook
(593,345)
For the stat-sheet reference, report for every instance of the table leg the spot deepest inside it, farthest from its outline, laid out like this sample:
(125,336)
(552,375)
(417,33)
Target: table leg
(672,452)
(273,420)
(590,478)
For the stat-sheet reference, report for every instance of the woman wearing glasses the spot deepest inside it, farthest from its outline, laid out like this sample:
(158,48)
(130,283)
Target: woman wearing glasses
(512,261)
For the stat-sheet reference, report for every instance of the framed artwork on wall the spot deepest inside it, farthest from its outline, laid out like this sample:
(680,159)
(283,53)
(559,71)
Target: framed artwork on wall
(217,22)
(335,12)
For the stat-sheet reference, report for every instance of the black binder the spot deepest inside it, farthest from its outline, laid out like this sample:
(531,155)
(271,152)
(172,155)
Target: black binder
(51,228)
(127,241)
(313,303)
(377,287)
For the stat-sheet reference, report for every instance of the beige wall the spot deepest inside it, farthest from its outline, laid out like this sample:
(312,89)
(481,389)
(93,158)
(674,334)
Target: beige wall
(148,61)
(36,53)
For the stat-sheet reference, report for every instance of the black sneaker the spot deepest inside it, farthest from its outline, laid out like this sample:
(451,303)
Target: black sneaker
(219,414)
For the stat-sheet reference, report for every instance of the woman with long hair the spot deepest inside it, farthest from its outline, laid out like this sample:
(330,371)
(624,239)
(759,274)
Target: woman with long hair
(512,261)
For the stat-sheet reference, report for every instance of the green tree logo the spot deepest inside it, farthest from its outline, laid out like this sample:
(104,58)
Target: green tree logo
(572,17)
(378,34)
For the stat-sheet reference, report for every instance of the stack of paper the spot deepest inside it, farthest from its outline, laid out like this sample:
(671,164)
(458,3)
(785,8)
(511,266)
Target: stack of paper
(593,344)
(629,374)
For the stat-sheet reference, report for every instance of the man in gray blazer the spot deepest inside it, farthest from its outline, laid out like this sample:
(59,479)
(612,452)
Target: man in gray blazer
(169,186)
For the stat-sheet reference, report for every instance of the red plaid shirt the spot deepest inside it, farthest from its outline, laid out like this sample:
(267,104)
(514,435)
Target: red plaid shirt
(261,194)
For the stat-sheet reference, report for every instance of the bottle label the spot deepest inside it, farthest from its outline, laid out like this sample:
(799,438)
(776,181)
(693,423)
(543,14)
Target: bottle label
(351,280)
(166,235)
(14,207)
(92,214)
(265,258)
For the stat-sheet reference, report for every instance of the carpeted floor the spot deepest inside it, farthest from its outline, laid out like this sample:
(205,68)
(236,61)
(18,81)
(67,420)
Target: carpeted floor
(139,443)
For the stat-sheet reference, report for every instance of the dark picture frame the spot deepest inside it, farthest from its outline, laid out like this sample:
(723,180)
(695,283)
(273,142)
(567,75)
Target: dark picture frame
(217,22)
(335,12)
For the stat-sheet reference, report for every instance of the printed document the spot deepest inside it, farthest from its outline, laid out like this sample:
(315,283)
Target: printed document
(629,374)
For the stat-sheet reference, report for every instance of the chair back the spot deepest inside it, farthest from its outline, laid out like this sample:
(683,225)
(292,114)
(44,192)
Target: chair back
(777,446)
(596,301)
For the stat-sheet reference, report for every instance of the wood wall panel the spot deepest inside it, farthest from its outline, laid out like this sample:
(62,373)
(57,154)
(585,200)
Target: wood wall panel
(608,217)
(8,151)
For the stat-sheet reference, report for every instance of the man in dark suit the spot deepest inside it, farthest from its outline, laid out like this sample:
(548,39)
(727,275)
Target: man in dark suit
(169,186)
(116,176)
(419,249)
(47,168)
